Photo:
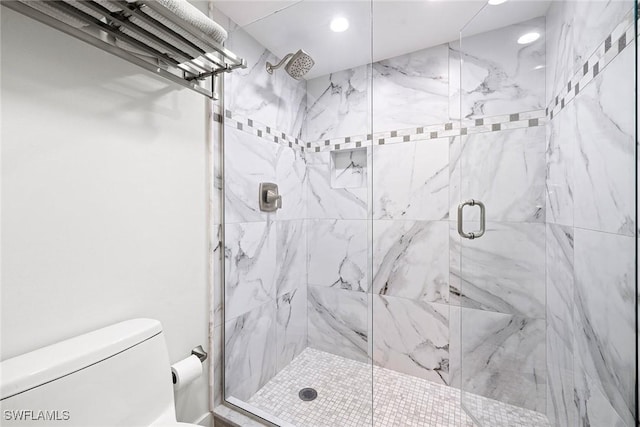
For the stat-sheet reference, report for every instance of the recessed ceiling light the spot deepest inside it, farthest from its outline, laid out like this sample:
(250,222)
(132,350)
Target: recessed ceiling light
(339,24)
(496,2)
(528,38)
(538,67)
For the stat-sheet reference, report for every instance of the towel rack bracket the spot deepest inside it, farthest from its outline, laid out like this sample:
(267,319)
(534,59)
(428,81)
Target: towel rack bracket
(186,59)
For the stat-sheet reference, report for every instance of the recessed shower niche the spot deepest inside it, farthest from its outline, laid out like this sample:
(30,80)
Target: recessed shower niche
(349,168)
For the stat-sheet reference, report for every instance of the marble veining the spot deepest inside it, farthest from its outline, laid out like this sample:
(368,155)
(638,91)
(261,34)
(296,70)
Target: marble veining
(349,168)
(559,158)
(561,408)
(250,351)
(604,160)
(291,177)
(274,99)
(411,90)
(560,281)
(242,178)
(574,30)
(250,255)
(411,259)
(419,189)
(604,316)
(291,250)
(504,271)
(503,358)
(324,201)
(337,256)
(291,325)
(337,322)
(506,171)
(498,81)
(411,337)
(338,104)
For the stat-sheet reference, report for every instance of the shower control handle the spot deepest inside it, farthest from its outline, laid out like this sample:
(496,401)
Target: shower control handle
(269,198)
(273,197)
(473,234)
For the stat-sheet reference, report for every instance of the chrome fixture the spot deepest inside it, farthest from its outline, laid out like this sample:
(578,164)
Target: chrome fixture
(199,351)
(270,200)
(145,33)
(474,234)
(299,64)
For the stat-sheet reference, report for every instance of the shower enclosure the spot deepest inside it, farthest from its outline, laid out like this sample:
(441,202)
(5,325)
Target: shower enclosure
(452,234)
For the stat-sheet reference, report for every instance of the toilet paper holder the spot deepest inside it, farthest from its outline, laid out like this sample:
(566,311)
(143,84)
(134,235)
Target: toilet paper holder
(199,351)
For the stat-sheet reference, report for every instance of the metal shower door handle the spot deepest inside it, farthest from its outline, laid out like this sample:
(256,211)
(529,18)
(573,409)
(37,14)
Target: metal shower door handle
(474,234)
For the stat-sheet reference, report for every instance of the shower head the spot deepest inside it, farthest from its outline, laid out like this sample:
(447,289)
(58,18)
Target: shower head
(299,64)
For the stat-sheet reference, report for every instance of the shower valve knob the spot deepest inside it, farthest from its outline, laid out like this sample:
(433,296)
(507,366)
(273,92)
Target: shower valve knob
(269,198)
(273,197)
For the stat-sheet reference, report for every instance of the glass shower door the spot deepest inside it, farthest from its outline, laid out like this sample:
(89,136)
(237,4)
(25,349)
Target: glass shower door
(498,241)
(547,293)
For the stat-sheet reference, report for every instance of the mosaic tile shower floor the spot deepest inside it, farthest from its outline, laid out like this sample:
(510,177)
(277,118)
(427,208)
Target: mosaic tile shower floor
(344,398)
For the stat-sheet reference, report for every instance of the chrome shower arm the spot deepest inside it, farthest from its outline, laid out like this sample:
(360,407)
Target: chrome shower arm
(271,67)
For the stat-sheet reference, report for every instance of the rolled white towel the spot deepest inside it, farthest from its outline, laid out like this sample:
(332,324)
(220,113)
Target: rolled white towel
(189,13)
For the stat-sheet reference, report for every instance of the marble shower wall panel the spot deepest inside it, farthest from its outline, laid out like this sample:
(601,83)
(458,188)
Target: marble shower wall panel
(560,283)
(291,259)
(291,325)
(561,408)
(338,322)
(411,337)
(411,260)
(410,180)
(275,99)
(291,290)
(326,202)
(249,160)
(455,346)
(604,316)
(250,351)
(604,167)
(504,80)
(504,271)
(590,195)
(250,256)
(593,406)
(574,30)
(338,253)
(291,177)
(503,358)
(411,90)
(506,171)
(560,153)
(339,105)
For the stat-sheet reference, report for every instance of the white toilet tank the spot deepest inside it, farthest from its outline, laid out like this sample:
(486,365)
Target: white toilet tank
(116,376)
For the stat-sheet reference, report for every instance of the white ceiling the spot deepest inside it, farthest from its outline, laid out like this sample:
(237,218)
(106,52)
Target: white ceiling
(398,26)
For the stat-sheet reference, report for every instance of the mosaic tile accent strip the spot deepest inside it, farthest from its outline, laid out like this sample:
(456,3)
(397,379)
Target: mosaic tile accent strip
(423,133)
(344,398)
(260,130)
(609,49)
(426,133)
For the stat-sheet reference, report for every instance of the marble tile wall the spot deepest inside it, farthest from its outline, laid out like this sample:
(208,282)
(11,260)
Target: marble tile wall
(494,81)
(590,261)
(320,273)
(421,302)
(265,286)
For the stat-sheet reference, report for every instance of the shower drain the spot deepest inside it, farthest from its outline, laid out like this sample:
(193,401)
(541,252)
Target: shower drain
(308,394)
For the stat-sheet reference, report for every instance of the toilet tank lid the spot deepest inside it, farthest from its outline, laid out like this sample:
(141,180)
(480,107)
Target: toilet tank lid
(46,364)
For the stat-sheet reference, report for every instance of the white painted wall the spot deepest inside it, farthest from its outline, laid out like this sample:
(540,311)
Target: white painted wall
(103,198)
